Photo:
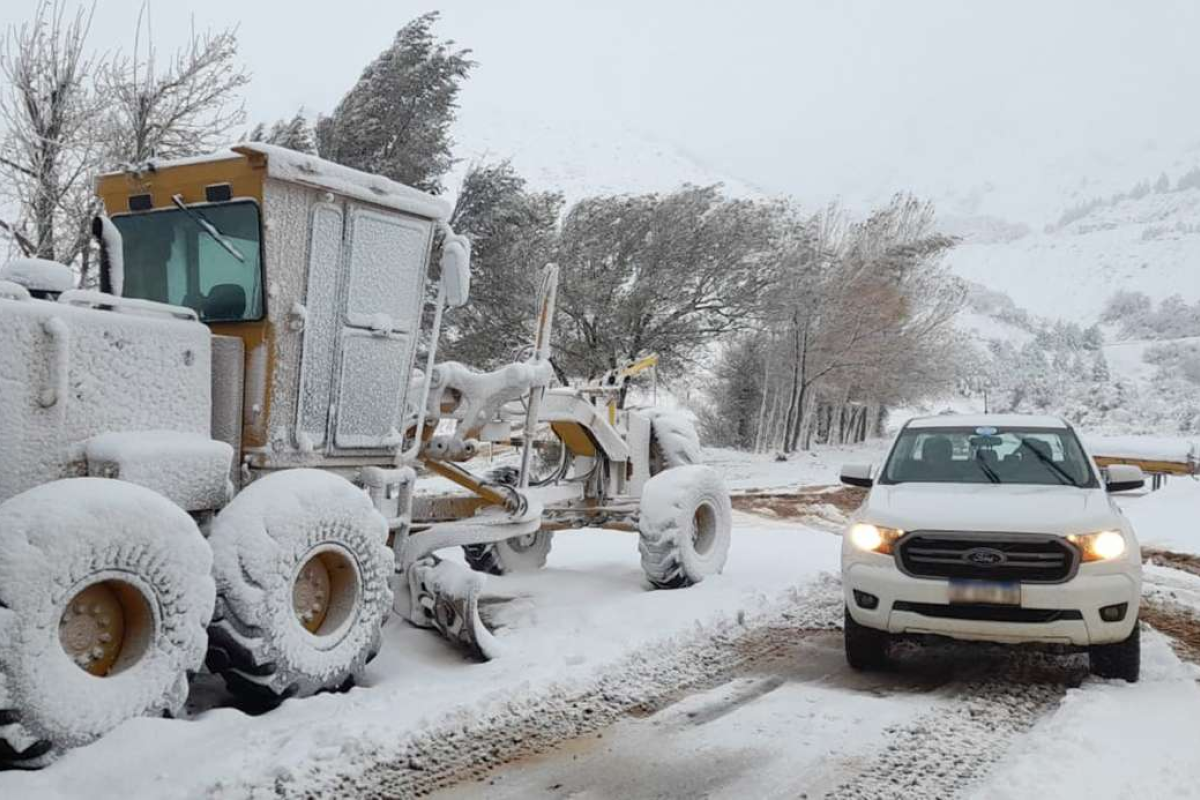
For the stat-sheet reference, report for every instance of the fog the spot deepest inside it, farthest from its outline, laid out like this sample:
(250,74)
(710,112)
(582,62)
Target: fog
(809,98)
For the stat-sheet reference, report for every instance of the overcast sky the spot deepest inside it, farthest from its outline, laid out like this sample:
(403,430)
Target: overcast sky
(803,97)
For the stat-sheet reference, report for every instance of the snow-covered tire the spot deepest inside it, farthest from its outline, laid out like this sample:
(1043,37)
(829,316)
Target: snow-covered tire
(1120,660)
(298,537)
(685,523)
(866,648)
(519,554)
(141,559)
(673,441)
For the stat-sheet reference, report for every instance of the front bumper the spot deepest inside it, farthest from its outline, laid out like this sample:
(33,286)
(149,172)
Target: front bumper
(1085,594)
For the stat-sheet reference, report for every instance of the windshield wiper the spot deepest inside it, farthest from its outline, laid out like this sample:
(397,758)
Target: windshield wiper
(1062,475)
(991,473)
(203,223)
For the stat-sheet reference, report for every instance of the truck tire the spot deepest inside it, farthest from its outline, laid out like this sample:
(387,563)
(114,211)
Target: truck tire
(673,441)
(105,594)
(519,554)
(866,648)
(685,523)
(302,569)
(1121,660)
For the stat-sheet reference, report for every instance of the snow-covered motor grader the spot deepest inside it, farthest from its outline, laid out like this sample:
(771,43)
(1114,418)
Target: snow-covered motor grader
(212,462)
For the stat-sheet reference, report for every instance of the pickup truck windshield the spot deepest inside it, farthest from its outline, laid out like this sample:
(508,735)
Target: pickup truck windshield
(173,256)
(989,455)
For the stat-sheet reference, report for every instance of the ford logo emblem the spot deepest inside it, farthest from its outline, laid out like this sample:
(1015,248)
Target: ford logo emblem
(985,557)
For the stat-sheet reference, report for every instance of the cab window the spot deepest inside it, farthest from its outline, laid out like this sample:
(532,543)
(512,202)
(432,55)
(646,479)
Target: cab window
(207,258)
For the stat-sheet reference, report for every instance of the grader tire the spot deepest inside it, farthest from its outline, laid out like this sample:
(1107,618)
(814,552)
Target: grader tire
(105,594)
(302,567)
(673,441)
(519,554)
(685,525)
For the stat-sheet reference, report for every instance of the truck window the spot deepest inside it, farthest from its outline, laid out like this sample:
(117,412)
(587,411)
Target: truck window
(170,258)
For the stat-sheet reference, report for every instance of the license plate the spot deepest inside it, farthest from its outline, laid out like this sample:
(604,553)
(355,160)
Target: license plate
(996,593)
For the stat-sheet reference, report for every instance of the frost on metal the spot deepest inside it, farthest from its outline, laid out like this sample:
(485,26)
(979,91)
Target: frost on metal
(189,469)
(481,394)
(69,373)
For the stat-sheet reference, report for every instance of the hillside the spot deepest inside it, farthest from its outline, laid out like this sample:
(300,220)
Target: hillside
(1150,244)
(580,158)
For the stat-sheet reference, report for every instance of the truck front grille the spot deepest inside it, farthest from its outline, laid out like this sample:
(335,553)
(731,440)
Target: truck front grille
(1025,558)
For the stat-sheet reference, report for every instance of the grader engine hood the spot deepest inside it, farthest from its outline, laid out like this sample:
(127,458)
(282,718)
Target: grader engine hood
(78,368)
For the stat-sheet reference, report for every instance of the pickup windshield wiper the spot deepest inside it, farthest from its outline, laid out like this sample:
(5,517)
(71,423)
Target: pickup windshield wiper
(983,466)
(1062,475)
(205,225)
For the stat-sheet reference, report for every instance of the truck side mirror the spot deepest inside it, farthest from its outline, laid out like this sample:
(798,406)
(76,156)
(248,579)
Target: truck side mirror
(1123,478)
(456,270)
(858,475)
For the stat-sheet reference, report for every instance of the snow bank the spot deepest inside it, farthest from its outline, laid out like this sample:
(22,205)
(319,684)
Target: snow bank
(1111,739)
(1168,518)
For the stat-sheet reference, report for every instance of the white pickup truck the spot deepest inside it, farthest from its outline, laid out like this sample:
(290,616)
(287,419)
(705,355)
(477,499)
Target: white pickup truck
(993,528)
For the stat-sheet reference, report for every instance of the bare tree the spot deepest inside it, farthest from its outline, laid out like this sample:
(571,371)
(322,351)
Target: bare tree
(50,148)
(858,320)
(183,108)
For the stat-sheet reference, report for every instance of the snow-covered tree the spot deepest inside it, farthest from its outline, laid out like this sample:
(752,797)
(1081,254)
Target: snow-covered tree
(294,134)
(50,149)
(396,120)
(182,107)
(665,274)
(513,234)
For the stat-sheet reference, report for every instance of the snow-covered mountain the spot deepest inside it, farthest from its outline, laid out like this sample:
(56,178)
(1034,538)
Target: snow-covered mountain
(1149,244)
(580,158)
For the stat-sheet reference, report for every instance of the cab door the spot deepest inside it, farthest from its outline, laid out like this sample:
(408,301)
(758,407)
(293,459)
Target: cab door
(385,261)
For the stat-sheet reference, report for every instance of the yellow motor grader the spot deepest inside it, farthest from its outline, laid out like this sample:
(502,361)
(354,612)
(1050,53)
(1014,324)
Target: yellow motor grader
(212,462)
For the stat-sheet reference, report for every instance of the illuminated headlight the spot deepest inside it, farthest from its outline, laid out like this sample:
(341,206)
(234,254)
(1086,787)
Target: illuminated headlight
(1102,546)
(873,538)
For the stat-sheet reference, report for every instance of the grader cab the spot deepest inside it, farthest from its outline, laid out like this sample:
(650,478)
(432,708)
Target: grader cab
(213,461)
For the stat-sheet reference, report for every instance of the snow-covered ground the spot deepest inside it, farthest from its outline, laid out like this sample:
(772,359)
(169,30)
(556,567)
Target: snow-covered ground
(572,625)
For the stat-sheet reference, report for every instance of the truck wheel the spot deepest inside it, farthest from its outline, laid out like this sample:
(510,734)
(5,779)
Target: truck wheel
(519,554)
(105,594)
(866,648)
(685,523)
(302,567)
(673,441)
(1121,660)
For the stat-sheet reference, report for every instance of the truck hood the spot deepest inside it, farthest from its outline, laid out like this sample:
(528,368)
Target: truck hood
(990,507)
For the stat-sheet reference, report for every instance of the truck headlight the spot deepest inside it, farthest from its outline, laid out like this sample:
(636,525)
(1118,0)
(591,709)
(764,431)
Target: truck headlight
(873,538)
(1100,546)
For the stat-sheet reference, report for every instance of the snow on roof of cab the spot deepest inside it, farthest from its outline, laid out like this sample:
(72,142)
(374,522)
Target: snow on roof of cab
(988,421)
(289,165)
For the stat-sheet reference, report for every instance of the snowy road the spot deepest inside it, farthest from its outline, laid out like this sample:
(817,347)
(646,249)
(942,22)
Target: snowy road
(734,688)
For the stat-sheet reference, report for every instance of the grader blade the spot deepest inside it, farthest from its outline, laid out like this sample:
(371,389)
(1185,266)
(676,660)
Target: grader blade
(446,597)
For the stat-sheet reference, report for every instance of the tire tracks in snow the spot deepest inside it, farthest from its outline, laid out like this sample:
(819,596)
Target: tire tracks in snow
(639,686)
(943,753)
